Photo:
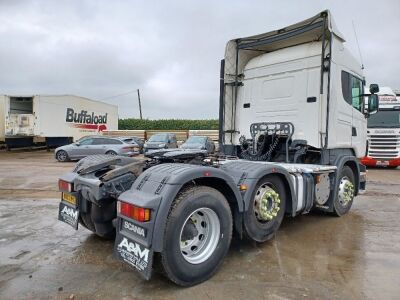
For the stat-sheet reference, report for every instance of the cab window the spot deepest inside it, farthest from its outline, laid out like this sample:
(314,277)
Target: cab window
(352,89)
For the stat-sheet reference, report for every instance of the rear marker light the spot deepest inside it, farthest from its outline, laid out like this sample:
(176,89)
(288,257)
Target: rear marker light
(134,212)
(243,187)
(65,186)
(129,148)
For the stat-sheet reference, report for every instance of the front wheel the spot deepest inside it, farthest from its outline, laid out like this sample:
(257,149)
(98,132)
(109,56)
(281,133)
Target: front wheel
(345,193)
(197,235)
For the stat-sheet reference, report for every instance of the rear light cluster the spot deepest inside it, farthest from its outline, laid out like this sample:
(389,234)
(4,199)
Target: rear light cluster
(65,186)
(130,148)
(134,212)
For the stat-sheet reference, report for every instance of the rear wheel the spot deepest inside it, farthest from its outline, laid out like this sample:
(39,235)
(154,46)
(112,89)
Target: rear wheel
(86,221)
(197,235)
(99,219)
(266,209)
(346,192)
(62,156)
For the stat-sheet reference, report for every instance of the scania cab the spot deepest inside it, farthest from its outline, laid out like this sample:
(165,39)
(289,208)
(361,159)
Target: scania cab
(384,132)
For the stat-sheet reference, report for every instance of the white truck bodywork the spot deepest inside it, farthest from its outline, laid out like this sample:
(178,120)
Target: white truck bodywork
(276,86)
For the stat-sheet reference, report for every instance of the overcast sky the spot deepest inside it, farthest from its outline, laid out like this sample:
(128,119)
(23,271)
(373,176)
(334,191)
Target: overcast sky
(170,50)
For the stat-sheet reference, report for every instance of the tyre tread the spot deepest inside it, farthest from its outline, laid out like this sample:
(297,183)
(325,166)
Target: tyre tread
(182,195)
(335,211)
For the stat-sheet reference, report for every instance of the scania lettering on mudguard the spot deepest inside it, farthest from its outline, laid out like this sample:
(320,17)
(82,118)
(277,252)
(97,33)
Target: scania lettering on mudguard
(135,229)
(134,254)
(68,214)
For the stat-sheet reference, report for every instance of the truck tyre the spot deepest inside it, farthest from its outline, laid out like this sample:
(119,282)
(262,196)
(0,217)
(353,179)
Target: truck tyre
(197,235)
(62,156)
(346,192)
(102,217)
(95,221)
(266,209)
(86,221)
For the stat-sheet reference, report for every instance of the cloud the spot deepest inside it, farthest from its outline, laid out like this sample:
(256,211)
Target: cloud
(170,50)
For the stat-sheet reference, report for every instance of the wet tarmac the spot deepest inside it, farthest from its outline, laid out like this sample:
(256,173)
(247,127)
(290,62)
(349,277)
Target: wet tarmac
(312,256)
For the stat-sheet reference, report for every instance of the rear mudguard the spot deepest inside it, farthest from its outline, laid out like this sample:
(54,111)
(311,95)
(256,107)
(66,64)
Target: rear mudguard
(158,186)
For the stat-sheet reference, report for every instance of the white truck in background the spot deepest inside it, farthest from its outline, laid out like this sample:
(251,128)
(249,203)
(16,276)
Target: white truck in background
(52,119)
(293,125)
(397,93)
(384,132)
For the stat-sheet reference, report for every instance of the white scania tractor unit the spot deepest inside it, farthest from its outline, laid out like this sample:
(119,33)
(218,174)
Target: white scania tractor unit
(384,132)
(292,127)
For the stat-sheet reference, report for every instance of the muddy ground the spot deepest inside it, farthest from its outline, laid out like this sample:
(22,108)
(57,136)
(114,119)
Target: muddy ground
(312,256)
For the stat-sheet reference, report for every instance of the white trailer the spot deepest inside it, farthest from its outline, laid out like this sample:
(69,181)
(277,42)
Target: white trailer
(55,119)
(2,119)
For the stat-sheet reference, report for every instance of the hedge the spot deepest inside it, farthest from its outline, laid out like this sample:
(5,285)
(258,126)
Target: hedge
(167,124)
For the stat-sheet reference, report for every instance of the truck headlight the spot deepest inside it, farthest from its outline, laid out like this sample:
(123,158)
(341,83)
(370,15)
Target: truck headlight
(161,145)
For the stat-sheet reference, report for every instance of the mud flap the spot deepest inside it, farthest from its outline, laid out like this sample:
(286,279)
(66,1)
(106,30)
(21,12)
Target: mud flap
(68,214)
(363,179)
(134,254)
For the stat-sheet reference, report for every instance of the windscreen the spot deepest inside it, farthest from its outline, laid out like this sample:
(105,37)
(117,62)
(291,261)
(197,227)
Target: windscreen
(385,119)
(158,138)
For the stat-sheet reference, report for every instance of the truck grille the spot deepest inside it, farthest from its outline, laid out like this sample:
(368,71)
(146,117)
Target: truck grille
(384,146)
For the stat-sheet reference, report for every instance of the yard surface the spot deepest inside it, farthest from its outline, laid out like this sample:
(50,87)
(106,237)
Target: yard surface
(312,256)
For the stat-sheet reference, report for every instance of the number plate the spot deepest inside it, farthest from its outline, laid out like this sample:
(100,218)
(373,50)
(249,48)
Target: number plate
(134,254)
(69,198)
(68,214)
(382,163)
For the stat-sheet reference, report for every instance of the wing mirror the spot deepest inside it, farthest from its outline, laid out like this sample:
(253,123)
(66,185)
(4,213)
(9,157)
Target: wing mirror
(373,88)
(373,103)
(373,100)
(77,143)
